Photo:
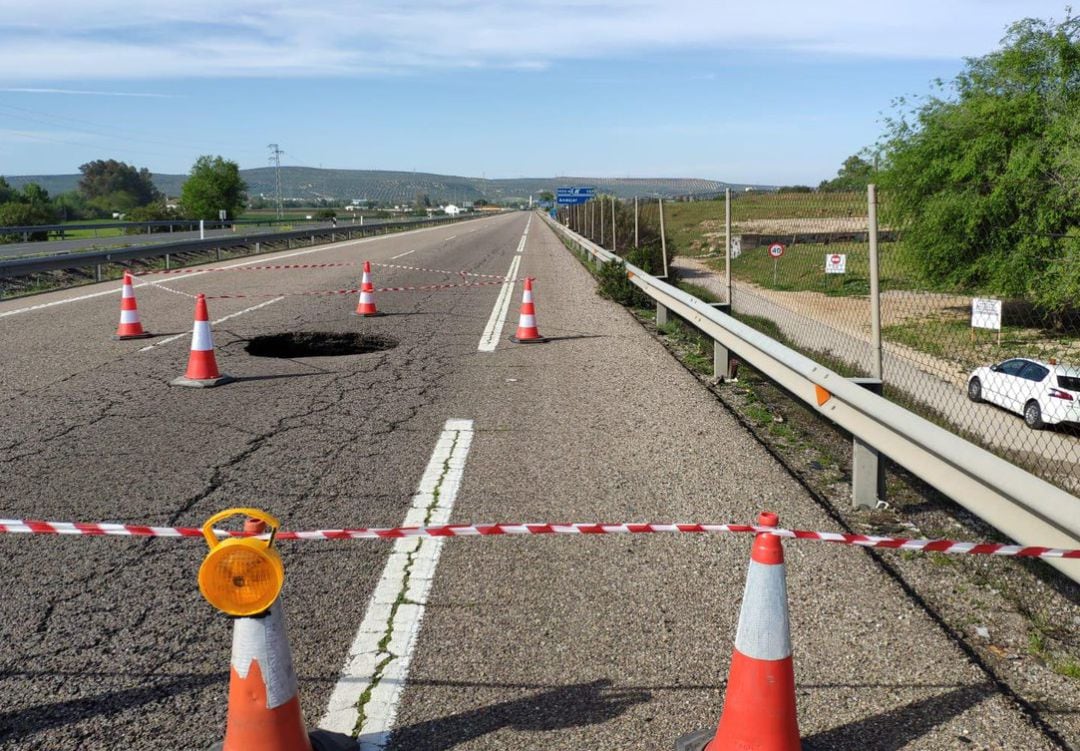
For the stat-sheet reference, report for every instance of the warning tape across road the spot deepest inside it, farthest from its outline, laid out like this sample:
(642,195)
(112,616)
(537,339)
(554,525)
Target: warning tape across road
(295,266)
(23,526)
(418,288)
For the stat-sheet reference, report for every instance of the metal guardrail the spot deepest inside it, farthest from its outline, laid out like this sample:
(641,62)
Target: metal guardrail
(186,224)
(36,264)
(1028,509)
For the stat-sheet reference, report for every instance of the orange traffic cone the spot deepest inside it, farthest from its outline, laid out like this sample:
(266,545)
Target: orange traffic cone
(264,700)
(759,706)
(527,333)
(202,370)
(130,327)
(366,306)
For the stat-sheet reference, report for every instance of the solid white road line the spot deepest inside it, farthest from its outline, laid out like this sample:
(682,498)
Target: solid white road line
(168,339)
(401,255)
(365,699)
(182,277)
(490,340)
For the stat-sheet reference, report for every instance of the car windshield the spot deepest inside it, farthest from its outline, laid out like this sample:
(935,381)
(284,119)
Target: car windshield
(1069,383)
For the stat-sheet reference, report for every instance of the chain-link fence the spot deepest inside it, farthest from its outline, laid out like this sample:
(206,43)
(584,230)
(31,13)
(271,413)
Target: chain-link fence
(995,369)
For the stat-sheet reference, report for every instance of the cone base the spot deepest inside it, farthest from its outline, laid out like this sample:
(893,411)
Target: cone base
(696,740)
(699,740)
(531,340)
(122,337)
(369,315)
(203,383)
(321,740)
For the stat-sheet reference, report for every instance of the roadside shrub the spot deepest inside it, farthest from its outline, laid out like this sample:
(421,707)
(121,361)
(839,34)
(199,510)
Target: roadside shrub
(613,284)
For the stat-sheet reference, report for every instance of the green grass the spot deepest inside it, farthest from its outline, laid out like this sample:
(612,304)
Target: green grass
(951,339)
(686,223)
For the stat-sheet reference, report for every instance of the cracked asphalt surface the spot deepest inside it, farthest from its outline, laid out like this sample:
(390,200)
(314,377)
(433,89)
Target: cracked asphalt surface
(527,643)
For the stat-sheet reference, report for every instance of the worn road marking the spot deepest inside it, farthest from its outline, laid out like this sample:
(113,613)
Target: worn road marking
(399,255)
(494,327)
(450,238)
(168,339)
(364,701)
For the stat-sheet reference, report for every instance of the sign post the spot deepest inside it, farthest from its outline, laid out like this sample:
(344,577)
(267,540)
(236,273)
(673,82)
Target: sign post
(776,250)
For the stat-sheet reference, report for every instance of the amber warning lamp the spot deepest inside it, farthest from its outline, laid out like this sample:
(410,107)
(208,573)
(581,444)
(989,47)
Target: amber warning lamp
(241,575)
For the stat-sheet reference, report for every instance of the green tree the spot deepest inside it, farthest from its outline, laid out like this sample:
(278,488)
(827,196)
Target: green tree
(854,175)
(546,196)
(213,184)
(985,181)
(7,193)
(117,186)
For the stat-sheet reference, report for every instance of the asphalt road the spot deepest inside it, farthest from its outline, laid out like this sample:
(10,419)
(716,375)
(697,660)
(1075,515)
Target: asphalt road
(526,643)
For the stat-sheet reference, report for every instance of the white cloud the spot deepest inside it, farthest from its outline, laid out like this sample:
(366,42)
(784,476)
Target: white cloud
(121,39)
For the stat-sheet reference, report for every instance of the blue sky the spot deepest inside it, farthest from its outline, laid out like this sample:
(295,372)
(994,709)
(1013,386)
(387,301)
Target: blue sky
(778,94)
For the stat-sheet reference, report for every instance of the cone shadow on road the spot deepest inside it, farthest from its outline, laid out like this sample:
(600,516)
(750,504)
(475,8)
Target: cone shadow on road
(897,728)
(26,722)
(564,707)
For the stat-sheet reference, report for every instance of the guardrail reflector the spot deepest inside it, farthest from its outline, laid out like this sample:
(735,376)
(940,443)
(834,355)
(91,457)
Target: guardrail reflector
(822,395)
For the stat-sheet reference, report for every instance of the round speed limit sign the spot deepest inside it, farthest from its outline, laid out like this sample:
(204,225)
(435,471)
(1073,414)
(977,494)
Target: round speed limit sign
(776,250)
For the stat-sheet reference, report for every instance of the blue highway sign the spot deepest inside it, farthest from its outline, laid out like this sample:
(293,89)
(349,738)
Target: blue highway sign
(587,192)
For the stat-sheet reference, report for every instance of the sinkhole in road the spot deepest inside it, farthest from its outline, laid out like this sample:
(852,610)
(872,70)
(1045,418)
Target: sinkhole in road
(317,344)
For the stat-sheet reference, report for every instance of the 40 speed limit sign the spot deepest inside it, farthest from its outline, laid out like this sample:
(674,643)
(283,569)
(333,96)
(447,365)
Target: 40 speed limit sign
(776,250)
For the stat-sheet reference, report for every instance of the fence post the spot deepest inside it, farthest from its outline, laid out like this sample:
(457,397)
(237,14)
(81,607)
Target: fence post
(601,222)
(727,243)
(663,239)
(875,288)
(635,222)
(613,249)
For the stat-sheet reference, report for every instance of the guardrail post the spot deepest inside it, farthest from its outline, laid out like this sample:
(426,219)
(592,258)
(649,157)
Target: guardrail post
(97,272)
(867,469)
(661,315)
(257,247)
(217,253)
(721,355)
(167,259)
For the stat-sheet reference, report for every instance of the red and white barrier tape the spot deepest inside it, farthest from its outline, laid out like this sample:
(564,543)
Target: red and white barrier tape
(437,271)
(266,267)
(22,526)
(418,288)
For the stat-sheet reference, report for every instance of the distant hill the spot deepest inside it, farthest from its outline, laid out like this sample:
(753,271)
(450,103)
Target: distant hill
(402,187)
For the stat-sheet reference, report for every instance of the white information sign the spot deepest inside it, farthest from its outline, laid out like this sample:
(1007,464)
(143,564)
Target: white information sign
(835,263)
(736,246)
(985,314)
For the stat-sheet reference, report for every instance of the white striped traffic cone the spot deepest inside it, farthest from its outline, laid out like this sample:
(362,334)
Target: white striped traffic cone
(366,306)
(264,698)
(202,369)
(130,327)
(759,705)
(527,333)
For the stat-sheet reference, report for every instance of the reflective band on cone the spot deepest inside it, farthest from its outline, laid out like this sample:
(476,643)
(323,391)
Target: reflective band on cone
(759,704)
(202,370)
(264,700)
(527,333)
(366,306)
(130,327)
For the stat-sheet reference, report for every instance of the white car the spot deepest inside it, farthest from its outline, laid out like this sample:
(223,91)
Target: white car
(1045,393)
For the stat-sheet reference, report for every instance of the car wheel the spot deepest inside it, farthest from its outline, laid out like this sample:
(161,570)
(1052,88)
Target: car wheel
(975,390)
(1033,416)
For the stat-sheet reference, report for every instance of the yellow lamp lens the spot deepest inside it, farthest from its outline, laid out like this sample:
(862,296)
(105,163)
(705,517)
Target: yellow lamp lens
(241,577)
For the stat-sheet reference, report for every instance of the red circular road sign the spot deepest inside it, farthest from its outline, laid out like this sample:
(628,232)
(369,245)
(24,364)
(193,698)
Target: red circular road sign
(835,259)
(776,250)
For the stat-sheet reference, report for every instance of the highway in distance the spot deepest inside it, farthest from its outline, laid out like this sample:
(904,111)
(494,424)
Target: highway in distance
(571,642)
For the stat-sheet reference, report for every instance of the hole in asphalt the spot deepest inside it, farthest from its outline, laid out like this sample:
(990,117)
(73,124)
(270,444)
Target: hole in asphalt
(317,344)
